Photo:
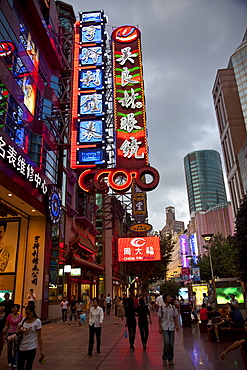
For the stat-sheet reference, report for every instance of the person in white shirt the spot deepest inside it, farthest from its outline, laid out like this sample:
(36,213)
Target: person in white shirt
(108,301)
(31,297)
(159,301)
(30,327)
(167,321)
(96,317)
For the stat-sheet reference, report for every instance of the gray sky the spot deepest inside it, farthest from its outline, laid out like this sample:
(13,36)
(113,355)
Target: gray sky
(184,43)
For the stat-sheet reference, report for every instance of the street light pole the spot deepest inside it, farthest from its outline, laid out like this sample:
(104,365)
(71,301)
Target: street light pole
(207,238)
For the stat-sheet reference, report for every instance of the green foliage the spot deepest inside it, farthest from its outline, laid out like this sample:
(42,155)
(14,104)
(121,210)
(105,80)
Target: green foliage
(171,288)
(240,239)
(149,271)
(225,258)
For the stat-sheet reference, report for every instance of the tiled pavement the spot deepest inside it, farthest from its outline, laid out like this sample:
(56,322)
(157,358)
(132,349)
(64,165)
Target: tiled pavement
(65,348)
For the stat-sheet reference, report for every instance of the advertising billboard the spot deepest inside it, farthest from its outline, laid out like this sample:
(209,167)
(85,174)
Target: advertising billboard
(223,294)
(139,249)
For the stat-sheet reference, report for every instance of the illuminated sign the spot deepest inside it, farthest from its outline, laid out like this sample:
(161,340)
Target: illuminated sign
(91,56)
(139,249)
(90,131)
(141,228)
(75,271)
(139,203)
(19,164)
(91,17)
(6,48)
(129,104)
(54,204)
(184,250)
(91,79)
(88,148)
(194,248)
(196,274)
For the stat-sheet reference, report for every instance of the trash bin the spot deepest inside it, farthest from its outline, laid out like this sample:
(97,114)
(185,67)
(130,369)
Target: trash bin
(185,314)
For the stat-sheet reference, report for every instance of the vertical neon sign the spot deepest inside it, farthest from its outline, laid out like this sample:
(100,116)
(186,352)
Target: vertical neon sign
(129,104)
(183,250)
(88,147)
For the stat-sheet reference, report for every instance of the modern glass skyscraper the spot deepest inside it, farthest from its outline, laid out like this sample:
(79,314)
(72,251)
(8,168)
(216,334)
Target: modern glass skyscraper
(204,180)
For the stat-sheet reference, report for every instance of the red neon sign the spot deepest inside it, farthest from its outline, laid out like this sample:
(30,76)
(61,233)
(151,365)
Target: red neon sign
(139,249)
(129,103)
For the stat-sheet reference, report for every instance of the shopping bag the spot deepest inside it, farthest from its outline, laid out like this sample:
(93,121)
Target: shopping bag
(83,317)
(125,333)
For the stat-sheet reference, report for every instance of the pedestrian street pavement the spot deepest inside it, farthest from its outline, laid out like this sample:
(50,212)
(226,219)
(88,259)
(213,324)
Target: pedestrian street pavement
(65,348)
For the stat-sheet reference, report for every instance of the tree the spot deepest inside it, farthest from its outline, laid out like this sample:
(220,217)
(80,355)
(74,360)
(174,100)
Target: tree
(225,258)
(170,288)
(149,271)
(240,238)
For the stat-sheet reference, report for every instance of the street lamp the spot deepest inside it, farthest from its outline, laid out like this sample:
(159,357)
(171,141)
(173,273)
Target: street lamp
(207,238)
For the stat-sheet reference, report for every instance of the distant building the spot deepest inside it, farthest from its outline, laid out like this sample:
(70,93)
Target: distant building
(230,101)
(172,226)
(204,180)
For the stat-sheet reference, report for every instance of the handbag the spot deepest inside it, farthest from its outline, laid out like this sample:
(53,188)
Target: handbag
(125,333)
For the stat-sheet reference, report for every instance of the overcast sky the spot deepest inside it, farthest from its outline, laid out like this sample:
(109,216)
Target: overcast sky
(184,43)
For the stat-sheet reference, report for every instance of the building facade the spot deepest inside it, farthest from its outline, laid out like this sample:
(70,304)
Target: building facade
(230,101)
(172,226)
(204,180)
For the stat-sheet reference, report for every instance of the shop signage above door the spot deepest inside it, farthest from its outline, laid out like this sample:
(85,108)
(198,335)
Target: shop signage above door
(19,164)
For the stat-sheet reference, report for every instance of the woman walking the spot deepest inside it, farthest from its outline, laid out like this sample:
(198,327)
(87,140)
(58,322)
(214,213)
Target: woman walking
(130,314)
(2,325)
(12,321)
(96,317)
(143,316)
(79,310)
(64,305)
(31,331)
(120,310)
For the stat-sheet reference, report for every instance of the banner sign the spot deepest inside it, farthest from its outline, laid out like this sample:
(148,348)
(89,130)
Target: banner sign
(139,249)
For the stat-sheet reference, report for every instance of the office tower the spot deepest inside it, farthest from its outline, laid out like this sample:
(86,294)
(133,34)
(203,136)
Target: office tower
(230,101)
(204,180)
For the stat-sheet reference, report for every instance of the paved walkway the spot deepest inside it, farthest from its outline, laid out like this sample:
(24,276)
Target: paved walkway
(65,348)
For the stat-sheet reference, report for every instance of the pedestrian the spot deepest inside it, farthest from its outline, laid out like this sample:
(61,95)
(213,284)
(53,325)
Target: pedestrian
(130,314)
(193,306)
(120,310)
(116,301)
(240,343)
(31,298)
(159,300)
(203,314)
(8,304)
(167,321)
(211,300)
(108,304)
(143,319)
(102,302)
(12,321)
(96,317)
(64,305)
(236,318)
(72,305)
(205,299)
(79,310)
(233,301)
(31,331)
(2,325)
(215,321)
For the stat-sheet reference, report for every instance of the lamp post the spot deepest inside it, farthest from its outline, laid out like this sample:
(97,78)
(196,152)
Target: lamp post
(207,238)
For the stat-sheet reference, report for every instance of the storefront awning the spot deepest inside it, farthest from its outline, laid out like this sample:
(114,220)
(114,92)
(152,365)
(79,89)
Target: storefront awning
(80,262)
(83,242)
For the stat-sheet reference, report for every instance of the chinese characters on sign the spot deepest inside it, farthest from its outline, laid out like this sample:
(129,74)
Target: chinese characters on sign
(129,107)
(18,163)
(35,260)
(88,148)
(139,249)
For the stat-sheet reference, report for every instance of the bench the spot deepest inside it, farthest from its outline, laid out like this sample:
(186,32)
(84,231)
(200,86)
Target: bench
(226,334)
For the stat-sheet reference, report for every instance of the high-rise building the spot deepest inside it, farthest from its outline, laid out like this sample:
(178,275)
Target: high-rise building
(230,101)
(204,180)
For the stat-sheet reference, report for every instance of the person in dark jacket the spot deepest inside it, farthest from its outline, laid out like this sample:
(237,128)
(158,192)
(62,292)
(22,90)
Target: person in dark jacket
(143,318)
(2,325)
(130,314)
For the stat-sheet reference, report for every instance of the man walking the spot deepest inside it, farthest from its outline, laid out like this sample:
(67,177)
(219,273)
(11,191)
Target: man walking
(108,301)
(167,321)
